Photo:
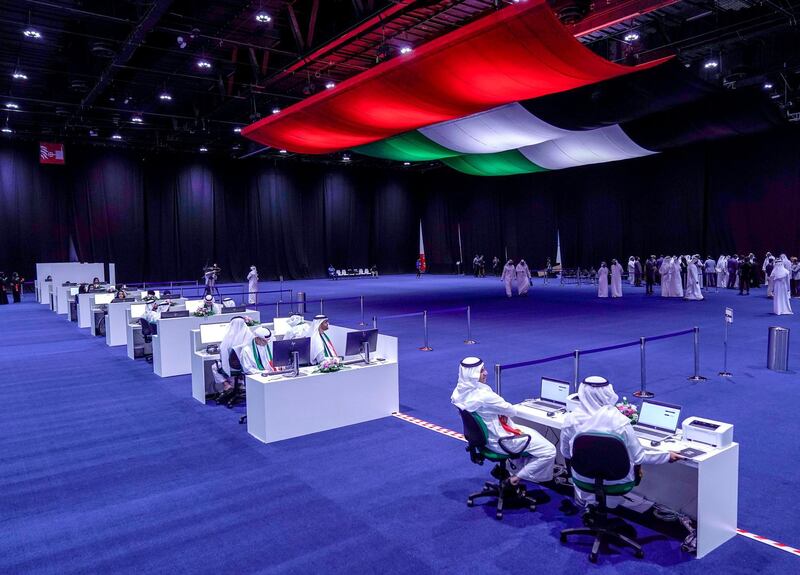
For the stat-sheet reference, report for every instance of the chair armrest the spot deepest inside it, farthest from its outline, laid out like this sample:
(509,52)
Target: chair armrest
(502,440)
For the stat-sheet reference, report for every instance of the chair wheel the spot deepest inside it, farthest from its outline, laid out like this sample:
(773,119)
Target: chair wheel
(498,515)
(470,503)
(563,538)
(639,554)
(592,557)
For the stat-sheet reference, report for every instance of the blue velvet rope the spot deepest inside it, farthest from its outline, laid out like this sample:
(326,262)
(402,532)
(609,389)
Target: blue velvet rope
(666,335)
(535,361)
(412,314)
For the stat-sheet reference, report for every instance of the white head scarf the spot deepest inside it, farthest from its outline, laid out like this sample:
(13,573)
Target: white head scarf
(469,372)
(318,321)
(295,320)
(779,271)
(238,335)
(597,408)
(262,332)
(228,302)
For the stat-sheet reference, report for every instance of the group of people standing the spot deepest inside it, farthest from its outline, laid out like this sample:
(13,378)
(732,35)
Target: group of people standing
(10,285)
(520,273)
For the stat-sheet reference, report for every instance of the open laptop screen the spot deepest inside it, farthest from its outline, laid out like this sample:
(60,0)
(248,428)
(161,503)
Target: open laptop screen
(555,391)
(659,416)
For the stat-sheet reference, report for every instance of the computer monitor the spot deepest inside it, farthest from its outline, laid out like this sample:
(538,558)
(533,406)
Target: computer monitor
(171,296)
(193,305)
(282,351)
(213,332)
(554,390)
(74,291)
(137,310)
(280,325)
(236,309)
(357,339)
(174,314)
(122,299)
(659,416)
(103,298)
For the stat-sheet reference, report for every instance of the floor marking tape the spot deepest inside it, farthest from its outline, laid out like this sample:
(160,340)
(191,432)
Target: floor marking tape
(459,436)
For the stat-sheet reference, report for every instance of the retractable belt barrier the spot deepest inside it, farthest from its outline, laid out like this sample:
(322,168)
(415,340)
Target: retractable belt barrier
(425,313)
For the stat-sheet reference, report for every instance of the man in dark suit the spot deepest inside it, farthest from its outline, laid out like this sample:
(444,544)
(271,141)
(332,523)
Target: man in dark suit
(650,274)
(745,274)
(733,266)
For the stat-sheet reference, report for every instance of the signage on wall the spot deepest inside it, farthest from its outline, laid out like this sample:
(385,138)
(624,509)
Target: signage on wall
(50,153)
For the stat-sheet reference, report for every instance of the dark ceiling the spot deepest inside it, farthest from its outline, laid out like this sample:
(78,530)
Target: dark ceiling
(100,68)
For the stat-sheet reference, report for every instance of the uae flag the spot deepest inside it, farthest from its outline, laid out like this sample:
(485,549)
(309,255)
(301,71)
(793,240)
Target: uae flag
(423,266)
(50,153)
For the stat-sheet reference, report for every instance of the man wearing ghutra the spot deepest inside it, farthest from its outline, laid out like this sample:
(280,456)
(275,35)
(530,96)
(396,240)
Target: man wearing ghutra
(257,355)
(321,344)
(473,395)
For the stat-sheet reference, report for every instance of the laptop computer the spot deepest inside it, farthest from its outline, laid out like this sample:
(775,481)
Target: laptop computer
(553,395)
(657,420)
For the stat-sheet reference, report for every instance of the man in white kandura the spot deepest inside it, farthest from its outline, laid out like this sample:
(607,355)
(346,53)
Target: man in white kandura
(509,272)
(693,291)
(722,271)
(473,395)
(666,276)
(297,327)
(616,279)
(257,355)
(237,336)
(631,269)
(252,285)
(675,280)
(523,278)
(597,413)
(602,280)
(780,289)
(321,344)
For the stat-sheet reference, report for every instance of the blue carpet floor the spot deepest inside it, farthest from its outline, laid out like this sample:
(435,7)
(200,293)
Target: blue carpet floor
(107,468)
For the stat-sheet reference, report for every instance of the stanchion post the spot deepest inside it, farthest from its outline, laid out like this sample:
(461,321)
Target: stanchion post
(576,371)
(277,309)
(321,307)
(697,376)
(280,293)
(643,386)
(374,322)
(425,347)
(469,340)
(497,373)
(361,302)
(725,372)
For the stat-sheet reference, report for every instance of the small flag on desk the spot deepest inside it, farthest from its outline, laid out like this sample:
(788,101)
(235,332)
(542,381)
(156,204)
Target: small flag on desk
(50,153)
(423,266)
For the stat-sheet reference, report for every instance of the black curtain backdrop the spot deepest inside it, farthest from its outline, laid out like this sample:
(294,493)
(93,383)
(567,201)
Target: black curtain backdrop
(161,217)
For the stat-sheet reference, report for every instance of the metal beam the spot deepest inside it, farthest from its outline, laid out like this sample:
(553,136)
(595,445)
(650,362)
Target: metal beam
(298,36)
(616,13)
(312,23)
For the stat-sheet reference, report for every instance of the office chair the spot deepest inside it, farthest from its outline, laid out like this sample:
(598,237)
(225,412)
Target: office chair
(147,335)
(476,434)
(601,457)
(237,393)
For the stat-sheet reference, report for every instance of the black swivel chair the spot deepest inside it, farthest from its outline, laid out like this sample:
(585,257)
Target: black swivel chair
(236,394)
(476,434)
(147,334)
(601,457)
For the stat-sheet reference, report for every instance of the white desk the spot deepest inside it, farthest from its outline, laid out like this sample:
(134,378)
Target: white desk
(115,322)
(280,407)
(63,272)
(172,346)
(62,299)
(705,488)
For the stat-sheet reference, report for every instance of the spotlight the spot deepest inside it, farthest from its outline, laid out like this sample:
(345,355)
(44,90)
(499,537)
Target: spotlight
(768,85)
(137,119)
(237,130)
(32,33)
(12,106)
(711,64)
(93,133)
(116,137)
(6,130)
(775,96)
(17,75)
(631,37)
(204,64)
(276,110)
(345,158)
(181,42)
(406,50)
(165,96)
(330,85)
(263,17)
(282,151)
(406,163)
(203,149)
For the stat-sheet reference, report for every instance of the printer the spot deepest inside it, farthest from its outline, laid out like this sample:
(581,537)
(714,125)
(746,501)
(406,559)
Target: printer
(707,431)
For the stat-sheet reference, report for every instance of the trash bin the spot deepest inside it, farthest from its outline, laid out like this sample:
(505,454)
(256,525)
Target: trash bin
(778,349)
(301,302)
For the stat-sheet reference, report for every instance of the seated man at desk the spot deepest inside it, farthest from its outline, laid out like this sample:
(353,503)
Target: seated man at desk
(237,337)
(297,327)
(257,355)
(473,395)
(321,344)
(209,303)
(150,297)
(598,412)
(153,312)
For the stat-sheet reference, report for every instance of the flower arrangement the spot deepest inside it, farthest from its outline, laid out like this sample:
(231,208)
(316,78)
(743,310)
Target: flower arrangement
(330,364)
(203,311)
(628,410)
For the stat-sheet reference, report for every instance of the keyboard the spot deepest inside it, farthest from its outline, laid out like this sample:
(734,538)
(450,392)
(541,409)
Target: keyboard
(541,404)
(651,433)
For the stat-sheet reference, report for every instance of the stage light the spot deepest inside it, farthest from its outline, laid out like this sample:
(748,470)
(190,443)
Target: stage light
(32,33)
(203,149)
(181,42)
(406,163)
(631,37)
(263,17)
(768,85)
(237,130)
(406,50)
(6,130)
(711,64)
(165,96)
(282,151)
(204,64)
(330,85)
(116,137)
(12,106)
(775,96)
(345,158)
(137,119)
(276,110)
(17,75)
(93,133)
